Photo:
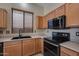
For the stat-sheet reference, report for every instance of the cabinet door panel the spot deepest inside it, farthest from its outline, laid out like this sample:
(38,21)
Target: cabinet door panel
(68,52)
(28,47)
(1,18)
(38,45)
(72,12)
(41,22)
(12,49)
(5,19)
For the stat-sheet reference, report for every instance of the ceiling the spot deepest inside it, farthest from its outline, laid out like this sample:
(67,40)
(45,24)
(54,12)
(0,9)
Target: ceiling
(49,6)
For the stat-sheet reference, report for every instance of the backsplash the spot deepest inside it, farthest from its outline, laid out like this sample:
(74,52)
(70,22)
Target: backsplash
(72,32)
(48,32)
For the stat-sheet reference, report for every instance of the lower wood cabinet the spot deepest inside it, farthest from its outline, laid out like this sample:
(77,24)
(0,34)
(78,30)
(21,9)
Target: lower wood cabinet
(25,47)
(12,48)
(28,47)
(68,52)
(38,45)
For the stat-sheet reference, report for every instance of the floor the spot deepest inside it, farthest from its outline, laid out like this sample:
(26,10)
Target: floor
(39,54)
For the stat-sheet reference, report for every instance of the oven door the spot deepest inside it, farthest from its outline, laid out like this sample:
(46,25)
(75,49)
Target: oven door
(1,49)
(50,49)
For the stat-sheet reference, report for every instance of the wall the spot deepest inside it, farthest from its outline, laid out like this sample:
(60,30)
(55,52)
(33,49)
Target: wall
(37,10)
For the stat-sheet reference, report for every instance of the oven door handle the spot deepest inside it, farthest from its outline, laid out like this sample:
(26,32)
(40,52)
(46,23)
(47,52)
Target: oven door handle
(51,43)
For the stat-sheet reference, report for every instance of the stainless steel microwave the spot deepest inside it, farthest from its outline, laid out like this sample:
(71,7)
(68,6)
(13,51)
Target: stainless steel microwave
(57,23)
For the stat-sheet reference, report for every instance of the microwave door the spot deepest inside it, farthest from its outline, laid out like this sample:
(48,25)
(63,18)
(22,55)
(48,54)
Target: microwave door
(55,23)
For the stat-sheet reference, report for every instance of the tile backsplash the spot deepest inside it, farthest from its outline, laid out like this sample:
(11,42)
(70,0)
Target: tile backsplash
(72,32)
(48,32)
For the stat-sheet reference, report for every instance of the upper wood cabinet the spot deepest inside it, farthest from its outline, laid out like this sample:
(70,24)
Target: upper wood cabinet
(60,11)
(28,47)
(3,18)
(12,48)
(72,13)
(50,15)
(41,22)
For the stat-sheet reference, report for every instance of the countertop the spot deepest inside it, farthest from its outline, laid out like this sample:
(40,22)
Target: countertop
(71,45)
(10,38)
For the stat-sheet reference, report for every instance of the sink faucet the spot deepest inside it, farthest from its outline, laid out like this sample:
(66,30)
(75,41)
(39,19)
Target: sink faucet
(20,33)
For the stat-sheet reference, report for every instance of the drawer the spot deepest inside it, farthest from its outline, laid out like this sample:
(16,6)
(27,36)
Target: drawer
(10,43)
(64,54)
(28,41)
(68,51)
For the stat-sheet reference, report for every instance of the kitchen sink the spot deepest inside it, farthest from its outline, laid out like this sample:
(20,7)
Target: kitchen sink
(20,37)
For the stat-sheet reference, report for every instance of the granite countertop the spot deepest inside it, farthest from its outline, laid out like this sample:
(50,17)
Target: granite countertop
(10,38)
(71,45)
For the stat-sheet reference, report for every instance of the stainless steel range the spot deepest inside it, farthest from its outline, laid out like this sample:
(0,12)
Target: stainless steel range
(52,45)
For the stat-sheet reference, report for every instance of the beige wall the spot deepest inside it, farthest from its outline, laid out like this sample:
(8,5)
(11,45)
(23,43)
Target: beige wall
(37,10)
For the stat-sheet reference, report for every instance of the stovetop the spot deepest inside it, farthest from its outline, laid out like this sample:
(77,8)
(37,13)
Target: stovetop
(49,39)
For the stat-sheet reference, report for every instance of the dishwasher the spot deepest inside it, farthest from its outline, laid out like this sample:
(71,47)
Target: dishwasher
(1,48)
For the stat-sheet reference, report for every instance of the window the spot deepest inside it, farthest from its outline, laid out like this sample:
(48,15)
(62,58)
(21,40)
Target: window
(22,21)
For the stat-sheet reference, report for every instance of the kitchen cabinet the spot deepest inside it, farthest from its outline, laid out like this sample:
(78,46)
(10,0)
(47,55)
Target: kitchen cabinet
(3,18)
(60,11)
(28,47)
(72,12)
(25,47)
(50,15)
(38,45)
(12,48)
(41,22)
(68,52)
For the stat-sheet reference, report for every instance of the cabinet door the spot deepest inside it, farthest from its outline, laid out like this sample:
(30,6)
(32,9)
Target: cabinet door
(38,45)
(41,22)
(72,13)
(64,54)
(68,52)
(60,11)
(5,19)
(50,15)
(28,47)
(12,48)
(45,24)
(1,18)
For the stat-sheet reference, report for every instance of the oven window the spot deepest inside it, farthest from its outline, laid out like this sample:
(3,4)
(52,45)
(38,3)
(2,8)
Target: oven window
(50,49)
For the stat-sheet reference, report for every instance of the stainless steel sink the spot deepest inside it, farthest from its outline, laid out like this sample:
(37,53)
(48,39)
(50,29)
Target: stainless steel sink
(20,37)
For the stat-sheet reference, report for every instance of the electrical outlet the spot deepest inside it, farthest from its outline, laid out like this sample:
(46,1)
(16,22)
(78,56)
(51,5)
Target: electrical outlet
(77,33)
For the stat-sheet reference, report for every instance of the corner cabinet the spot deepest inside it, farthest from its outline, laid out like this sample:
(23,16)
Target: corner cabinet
(12,48)
(41,22)
(3,18)
(72,13)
